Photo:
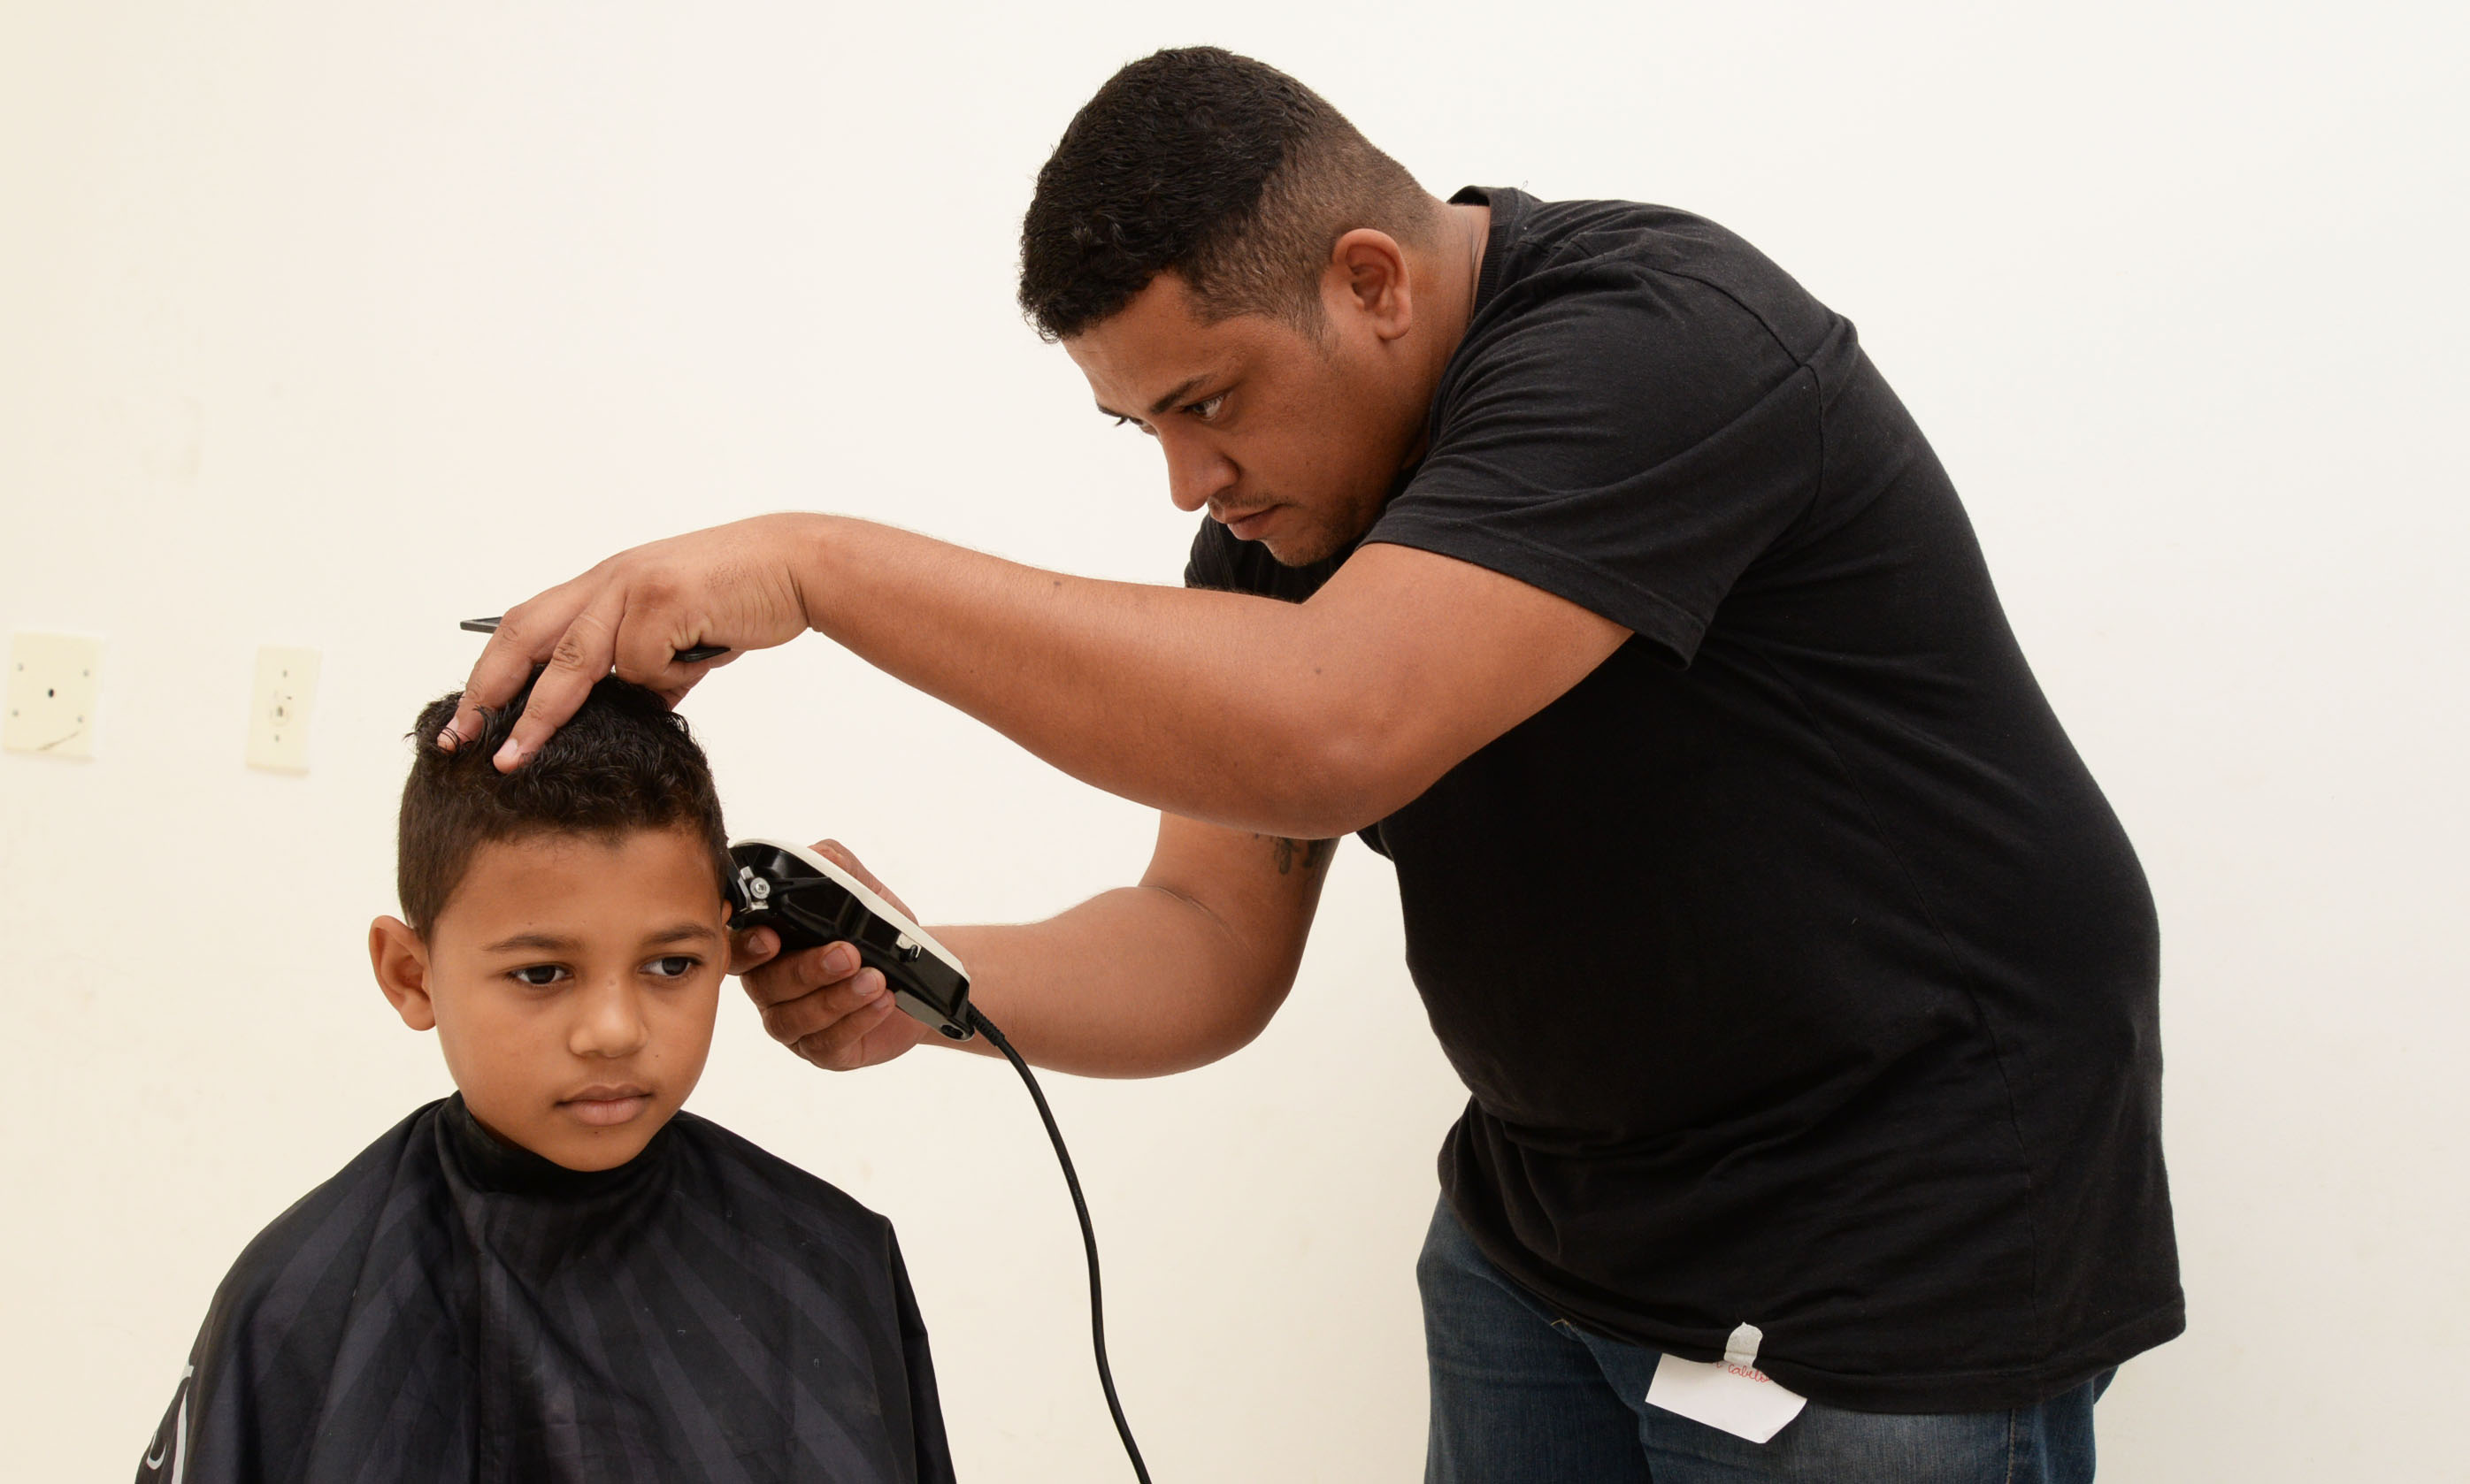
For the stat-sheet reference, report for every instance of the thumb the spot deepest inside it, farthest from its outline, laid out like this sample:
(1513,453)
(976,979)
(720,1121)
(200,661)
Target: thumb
(751,949)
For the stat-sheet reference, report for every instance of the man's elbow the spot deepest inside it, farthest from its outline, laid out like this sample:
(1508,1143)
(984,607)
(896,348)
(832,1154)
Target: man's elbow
(1230,1021)
(1351,778)
(1216,1042)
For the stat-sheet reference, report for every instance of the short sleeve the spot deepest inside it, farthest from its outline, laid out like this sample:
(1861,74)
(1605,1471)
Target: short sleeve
(1631,442)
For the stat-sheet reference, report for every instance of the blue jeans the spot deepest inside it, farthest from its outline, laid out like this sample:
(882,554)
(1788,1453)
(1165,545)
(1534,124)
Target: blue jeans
(1521,1397)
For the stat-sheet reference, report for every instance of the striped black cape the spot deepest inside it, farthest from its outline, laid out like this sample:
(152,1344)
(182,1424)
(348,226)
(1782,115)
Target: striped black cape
(450,1308)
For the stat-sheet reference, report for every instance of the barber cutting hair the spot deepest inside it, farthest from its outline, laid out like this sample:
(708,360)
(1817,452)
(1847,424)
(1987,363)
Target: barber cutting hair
(1579,561)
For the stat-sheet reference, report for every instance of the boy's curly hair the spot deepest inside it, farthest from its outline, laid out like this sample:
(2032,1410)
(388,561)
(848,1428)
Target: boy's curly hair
(624,762)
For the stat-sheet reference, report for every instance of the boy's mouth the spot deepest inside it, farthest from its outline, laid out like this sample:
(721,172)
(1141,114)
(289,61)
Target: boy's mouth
(604,1106)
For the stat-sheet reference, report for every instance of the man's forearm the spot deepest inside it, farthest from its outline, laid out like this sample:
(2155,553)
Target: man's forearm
(1303,720)
(1137,981)
(1209,704)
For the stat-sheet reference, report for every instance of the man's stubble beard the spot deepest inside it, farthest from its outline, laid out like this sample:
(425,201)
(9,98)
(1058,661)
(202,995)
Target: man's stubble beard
(1321,547)
(1321,541)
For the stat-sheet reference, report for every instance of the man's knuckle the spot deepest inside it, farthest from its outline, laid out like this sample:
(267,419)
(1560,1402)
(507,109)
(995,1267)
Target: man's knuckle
(571,651)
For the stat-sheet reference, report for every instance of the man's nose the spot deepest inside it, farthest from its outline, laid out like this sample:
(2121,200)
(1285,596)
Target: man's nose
(1196,475)
(610,1021)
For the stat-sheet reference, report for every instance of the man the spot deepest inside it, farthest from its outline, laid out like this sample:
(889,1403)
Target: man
(1578,558)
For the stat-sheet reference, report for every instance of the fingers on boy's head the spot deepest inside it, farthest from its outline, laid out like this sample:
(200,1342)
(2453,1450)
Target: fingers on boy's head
(624,762)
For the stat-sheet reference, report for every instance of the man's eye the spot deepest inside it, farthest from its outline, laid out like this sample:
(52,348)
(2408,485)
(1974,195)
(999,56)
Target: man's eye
(1207,409)
(676,966)
(1136,422)
(540,976)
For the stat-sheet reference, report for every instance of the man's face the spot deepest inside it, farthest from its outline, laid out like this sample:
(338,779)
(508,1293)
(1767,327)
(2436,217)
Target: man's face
(1286,438)
(572,981)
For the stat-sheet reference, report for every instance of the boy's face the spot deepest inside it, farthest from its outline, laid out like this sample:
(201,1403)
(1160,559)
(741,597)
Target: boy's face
(573,981)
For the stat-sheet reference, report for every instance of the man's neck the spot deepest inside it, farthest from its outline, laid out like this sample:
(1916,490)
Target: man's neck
(1445,292)
(1464,232)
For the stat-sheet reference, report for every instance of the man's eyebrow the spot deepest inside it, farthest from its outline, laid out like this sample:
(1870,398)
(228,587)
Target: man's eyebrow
(1180,390)
(1166,403)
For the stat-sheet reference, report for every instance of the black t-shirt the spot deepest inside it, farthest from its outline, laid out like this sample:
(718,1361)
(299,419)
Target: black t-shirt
(1800,974)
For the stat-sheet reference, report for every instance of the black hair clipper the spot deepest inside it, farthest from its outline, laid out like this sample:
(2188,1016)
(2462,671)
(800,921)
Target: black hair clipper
(810,902)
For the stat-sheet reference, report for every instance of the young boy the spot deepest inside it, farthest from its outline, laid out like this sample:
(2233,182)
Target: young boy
(555,1274)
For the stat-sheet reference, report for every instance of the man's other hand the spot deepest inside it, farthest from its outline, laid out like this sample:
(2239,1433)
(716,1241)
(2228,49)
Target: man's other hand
(819,1003)
(732,586)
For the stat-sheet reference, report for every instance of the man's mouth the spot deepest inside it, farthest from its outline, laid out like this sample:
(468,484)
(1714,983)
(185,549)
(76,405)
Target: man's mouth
(607,1105)
(1247,526)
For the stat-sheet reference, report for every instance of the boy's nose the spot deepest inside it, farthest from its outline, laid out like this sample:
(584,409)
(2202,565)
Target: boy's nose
(611,1022)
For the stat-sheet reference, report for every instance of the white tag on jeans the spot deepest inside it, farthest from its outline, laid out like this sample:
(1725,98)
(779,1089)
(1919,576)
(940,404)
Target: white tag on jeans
(1730,1394)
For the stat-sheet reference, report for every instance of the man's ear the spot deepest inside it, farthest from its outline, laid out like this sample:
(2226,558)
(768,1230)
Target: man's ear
(401,961)
(1369,270)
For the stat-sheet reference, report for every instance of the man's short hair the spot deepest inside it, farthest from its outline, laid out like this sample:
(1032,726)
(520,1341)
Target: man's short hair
(1229,172)
(624,762)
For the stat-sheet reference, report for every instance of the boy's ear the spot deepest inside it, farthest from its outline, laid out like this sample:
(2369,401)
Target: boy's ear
(401,962)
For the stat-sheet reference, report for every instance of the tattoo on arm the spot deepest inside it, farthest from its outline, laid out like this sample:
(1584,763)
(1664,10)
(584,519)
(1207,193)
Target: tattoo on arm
(1311,855)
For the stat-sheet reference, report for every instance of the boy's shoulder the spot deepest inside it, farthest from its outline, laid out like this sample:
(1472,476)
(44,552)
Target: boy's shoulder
(757,1189)
(389,1209)
(283,1309)
(391,1192)
(321,1240)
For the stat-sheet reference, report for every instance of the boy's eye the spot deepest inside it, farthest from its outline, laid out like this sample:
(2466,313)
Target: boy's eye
(540,976)
(676,965)
(1208,408)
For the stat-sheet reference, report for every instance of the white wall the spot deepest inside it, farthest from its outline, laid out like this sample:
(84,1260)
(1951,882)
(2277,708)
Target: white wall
(330,325)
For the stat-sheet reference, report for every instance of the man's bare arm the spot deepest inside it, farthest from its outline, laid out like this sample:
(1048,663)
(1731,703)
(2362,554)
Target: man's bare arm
(1301,720)
(1178,971)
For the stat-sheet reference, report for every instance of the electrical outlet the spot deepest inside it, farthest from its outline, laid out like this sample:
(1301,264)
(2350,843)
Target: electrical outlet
(278,709)
(52,689)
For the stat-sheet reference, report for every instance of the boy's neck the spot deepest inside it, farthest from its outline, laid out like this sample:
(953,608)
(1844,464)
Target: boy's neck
(501,1164)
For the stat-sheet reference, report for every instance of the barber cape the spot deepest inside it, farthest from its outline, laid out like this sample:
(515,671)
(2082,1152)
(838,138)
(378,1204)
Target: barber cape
(452,1308)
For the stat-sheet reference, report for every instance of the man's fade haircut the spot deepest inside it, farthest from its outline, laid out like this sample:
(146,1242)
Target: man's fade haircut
(1224,170)
(624,762)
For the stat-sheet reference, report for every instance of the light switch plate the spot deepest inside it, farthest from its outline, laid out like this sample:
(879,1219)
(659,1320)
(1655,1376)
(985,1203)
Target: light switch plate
(278,709)
(53,685)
